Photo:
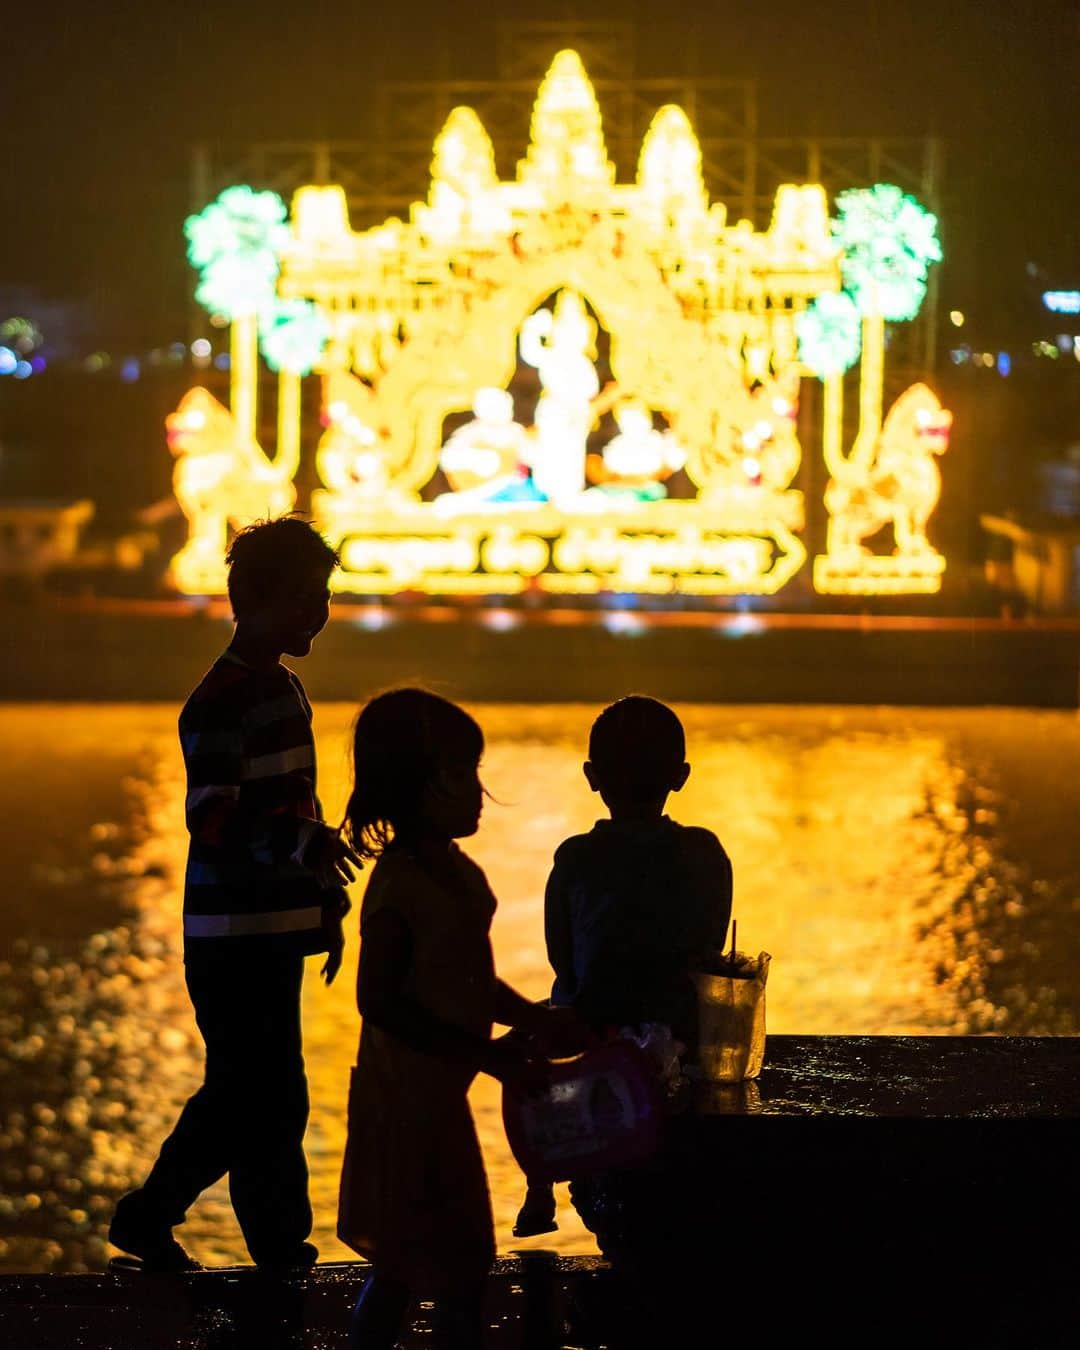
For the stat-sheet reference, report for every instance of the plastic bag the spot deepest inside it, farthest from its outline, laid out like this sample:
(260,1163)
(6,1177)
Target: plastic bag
(660,1048)
(599,1111)
(731,1017)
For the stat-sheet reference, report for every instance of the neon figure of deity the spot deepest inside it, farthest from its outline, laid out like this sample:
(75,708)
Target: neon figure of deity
(768,439)
(484,460)
(350,457)
(638,458)
(561,344)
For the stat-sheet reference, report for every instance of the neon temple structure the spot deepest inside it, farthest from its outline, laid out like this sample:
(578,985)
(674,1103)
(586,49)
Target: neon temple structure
(566,383)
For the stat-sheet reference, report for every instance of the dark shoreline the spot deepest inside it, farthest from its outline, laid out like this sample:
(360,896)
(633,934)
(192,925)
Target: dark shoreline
(131,650)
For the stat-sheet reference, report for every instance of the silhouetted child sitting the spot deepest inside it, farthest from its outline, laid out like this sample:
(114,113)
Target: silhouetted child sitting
(263,890)
(633,906)
(414,1197)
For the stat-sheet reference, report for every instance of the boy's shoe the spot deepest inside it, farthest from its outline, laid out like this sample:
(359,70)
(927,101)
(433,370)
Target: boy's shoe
(156,1248)
(537,1214)
(302,1257)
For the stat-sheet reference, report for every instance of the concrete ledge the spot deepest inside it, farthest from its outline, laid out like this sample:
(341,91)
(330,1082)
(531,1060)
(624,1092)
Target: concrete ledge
(883,1190)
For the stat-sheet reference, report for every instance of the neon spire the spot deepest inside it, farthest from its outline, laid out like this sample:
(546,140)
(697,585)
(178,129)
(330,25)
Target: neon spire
(669,168)
(566,141)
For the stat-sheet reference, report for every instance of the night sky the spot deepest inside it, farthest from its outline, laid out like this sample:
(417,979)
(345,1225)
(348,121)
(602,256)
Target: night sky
(102,102)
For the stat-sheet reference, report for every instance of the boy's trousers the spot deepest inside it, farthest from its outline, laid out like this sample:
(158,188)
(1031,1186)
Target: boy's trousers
(249,1116)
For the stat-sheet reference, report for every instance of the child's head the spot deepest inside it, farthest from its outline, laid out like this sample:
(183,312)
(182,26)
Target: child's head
(637,755)
(279,574)
(416,758)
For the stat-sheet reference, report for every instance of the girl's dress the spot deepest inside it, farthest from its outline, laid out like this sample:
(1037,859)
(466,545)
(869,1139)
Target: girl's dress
(414,1197)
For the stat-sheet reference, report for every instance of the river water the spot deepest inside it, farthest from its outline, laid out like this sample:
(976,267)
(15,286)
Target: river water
(911,871)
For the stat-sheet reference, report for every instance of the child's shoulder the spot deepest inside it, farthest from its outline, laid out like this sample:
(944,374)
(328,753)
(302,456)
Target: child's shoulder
(399,867)
(577,848)
(230,689)
(392,866)
(702,854)
(698,841)
(393,880)
(224,688)
(421,890)
(697,836)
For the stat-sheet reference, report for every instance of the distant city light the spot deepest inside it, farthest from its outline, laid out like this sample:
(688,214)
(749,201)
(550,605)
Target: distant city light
(740,625)
(23,334)
(1004,363)
(373,620)
(500,620)
(1062,302)
(1064,342)
(23,370)
(8,360)
(956,318)
(221,361)
(130,370)
(201,347)
(622,624)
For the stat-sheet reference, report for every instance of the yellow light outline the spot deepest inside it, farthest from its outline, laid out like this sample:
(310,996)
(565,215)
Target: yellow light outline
(423,313)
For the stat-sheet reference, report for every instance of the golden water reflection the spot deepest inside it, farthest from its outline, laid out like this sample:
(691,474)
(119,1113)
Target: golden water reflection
(911,871)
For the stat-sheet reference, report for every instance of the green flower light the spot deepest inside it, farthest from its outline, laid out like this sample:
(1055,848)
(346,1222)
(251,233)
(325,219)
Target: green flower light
(889,242)
(292,334)
(830,334)
(235,242)
(237,285)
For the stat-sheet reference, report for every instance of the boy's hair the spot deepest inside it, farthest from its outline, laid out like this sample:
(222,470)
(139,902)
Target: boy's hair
(400,740)
(637,745)
(266,558)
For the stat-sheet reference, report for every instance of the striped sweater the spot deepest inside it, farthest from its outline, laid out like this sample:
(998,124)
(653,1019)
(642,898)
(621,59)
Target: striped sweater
(251,811)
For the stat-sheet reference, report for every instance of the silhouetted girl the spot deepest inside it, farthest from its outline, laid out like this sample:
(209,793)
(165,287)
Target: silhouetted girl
(414,1196)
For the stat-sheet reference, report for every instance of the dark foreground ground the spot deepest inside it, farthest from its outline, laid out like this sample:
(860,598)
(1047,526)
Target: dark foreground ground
(239,1308)
(866,1191)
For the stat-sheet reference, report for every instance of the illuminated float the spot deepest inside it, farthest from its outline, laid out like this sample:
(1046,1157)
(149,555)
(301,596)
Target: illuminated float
(563,383)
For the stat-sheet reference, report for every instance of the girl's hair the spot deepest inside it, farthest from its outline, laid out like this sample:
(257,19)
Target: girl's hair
(400,740)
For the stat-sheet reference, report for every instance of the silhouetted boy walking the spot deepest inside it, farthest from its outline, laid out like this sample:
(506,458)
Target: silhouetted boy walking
(263,889)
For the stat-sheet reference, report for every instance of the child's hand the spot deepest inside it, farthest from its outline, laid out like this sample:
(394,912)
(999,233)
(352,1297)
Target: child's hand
(335,949)
(560,1033)
(335,907)
(510,1064)
(331,859)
